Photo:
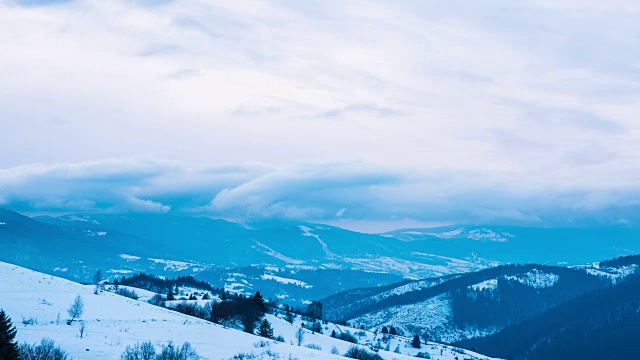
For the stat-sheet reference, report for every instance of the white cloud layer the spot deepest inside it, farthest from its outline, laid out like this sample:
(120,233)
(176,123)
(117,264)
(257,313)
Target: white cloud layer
(347,194)
(451,110)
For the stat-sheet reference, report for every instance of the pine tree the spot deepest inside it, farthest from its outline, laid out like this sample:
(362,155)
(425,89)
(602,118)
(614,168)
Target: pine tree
(416,342)
(259,303)
(8,347)
(265,330)
(393,331)
(385,330)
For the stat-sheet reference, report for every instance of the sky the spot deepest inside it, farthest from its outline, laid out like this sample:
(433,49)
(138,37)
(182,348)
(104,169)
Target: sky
(364,114)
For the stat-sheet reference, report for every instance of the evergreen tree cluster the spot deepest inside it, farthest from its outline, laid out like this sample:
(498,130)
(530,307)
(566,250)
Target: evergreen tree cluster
(621,261)
(247,310)
(159,285)
(511,301)
(451,286)
(390,330)
(602,324)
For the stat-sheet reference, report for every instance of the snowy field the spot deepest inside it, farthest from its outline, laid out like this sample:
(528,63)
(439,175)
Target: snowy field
(113,322)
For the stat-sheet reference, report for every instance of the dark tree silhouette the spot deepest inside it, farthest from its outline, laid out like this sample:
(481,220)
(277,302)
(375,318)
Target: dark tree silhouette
(416,342)
(265,330)
(8,346)
(314,310)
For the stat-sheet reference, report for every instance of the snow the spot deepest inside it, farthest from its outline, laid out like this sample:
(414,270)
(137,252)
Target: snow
(95,233)
(614,274)
(411,269)
(173,265)
(113,322)
(129,257)
(433,315)
(120,271)
(306,231)
(77,218)
(410,287)
(269,251)
(143,295)
(536,279)
(490,284)
(488,234)
(286,280)
(448,235)
(367,339)
(481,234)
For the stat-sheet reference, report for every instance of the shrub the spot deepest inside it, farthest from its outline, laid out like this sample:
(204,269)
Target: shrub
(314,346)
(346,336)
(190,309)
(423,355)
(359,353)
(146,351)
(45,350)
(127,293)
(185,352)
(261,344)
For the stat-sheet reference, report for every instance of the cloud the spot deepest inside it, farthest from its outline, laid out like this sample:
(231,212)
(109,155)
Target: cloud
(440,111)
(254,76)
(319,192)
(364,108)
(30,3)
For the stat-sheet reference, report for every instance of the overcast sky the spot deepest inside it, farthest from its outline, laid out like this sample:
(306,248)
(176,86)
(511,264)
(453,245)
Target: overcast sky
(364,114)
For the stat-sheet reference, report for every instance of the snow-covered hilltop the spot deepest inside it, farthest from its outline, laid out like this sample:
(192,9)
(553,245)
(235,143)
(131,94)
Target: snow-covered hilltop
(457,307)
(38,305)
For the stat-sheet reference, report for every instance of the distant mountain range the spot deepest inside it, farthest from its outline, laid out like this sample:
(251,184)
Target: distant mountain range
(291,260)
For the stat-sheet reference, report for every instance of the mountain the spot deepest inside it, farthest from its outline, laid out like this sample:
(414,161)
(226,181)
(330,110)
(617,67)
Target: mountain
(292,285)
(602,324)
(513,244)
(46,247)
(470,305)
(37,303)
(296,261)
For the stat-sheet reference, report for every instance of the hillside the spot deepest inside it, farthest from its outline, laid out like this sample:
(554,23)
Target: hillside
(469,305)
(34,300)
(598,325)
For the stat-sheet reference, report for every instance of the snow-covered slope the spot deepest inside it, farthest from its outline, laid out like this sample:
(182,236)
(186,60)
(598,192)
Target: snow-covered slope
(113,322)
(446,308)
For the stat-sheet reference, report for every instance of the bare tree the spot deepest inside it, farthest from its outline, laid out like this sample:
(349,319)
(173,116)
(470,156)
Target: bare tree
(76,309)
(300,336)
(97,278)
(82,328)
